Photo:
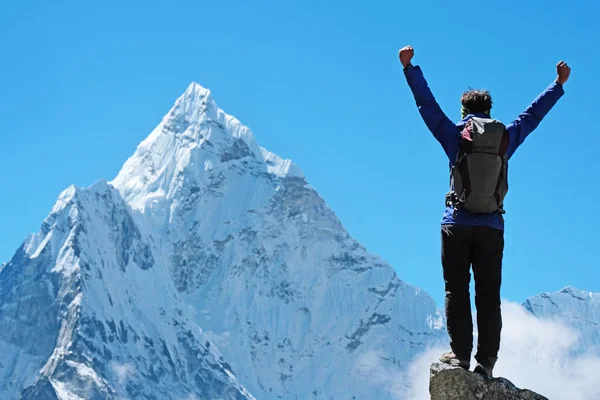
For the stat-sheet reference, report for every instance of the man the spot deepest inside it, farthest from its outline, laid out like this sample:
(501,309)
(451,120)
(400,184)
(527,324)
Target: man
(478,148)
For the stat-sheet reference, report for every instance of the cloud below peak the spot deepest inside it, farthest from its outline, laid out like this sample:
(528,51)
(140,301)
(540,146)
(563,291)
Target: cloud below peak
(535,353)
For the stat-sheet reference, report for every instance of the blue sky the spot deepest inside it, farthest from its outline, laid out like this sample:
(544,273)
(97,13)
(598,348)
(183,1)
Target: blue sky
(82,84)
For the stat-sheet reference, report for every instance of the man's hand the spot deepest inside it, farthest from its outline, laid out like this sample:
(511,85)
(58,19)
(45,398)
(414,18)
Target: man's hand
(563,71)
(406,54)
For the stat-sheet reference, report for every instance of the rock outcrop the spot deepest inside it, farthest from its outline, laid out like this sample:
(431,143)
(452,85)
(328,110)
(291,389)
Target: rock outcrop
(454,383)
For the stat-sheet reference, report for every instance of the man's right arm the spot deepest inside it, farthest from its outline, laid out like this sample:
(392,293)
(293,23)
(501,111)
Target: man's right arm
(443,129)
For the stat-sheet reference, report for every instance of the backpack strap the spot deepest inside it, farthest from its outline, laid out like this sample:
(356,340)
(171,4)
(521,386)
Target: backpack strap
(466,147)
(502,153)
(466,142)
(504,144)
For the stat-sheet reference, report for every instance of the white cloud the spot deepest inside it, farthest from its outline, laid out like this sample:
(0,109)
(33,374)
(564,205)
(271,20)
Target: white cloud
(535,353)
(371,368)
(122,372)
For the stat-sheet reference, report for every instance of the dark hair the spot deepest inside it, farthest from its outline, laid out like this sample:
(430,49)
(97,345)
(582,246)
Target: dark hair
(476,101)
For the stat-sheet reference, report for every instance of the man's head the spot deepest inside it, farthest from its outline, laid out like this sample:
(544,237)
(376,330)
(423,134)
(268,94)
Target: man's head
(476,101)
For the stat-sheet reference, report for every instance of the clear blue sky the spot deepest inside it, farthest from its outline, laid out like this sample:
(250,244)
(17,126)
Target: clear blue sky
(82,84)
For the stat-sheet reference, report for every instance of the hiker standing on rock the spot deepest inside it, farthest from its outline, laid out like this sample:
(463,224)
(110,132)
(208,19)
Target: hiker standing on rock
(478,148)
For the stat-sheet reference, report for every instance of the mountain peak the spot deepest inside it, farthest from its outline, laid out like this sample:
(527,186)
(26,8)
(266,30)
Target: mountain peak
(211,242)
(197,145)
(193,107)
(575,292)
(578,309)
(197,89)
(196,100)
(64,198)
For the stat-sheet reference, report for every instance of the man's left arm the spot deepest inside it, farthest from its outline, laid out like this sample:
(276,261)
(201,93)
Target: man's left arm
(529,120)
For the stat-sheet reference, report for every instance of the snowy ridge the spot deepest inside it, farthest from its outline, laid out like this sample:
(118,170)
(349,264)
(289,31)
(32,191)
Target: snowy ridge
(302,306)
(195,133)
(85,314)
(214,269)
(577,308)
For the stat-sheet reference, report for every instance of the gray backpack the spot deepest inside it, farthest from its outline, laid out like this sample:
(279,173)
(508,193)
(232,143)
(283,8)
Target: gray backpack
(479,178)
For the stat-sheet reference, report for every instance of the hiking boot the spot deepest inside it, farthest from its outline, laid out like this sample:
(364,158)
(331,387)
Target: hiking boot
(485,365)
(486,371)
(452,359)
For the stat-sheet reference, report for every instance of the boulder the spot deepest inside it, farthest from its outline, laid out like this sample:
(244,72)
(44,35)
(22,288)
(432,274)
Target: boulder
(454,383)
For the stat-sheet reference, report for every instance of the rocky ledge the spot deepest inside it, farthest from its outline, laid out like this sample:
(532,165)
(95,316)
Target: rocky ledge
(455,383)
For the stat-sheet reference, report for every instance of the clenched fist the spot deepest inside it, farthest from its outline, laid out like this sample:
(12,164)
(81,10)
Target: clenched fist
(406,54)
(563,71)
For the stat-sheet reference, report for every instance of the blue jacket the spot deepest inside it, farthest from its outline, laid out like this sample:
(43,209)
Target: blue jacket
(448,134)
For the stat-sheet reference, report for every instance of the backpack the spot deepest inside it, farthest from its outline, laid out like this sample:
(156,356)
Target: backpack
(479,177)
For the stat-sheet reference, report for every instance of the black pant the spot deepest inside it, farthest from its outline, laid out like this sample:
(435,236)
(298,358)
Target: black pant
(482,247)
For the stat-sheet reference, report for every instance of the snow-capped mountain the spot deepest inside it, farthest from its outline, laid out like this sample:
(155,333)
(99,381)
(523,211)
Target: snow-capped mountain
(208,268)
(577,309)
(87,312)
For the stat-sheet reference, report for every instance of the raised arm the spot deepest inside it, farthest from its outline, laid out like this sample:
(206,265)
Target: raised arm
(527,121)
(443,129)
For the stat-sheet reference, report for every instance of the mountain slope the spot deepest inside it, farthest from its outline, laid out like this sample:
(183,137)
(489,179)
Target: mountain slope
(300,307)
(577,309)
(208,242)
(86,312)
